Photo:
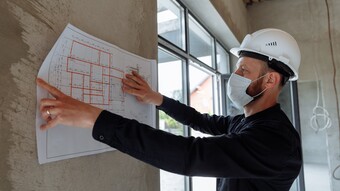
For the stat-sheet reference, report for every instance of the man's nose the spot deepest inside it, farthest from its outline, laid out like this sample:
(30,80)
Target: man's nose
(238,71)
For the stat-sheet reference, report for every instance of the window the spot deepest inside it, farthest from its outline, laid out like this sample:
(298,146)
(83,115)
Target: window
(202,99)
(170,22)
(201,43)
(201,93)
(222,59)
(190,65)
(170,67)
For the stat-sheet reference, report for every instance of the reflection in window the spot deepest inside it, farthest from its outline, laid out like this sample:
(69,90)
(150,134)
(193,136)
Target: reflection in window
(201,43)
(170,85)
(170,20)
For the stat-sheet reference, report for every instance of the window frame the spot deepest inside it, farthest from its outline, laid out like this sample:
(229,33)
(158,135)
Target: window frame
(219,98)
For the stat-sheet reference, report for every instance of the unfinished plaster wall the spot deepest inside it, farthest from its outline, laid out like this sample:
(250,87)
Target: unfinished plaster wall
(235,16)
(307,21)
(28,30)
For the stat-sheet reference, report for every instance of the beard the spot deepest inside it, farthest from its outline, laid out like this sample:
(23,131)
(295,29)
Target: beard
(255,90)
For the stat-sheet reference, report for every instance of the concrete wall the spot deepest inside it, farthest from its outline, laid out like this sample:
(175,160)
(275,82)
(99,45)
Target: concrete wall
(235,16)
(28,29)
(307,21)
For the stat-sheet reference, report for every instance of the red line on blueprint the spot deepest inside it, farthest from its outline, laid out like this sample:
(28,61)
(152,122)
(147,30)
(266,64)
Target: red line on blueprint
(96,64)
(83,99)
(86,61)
(87,89)
(117,69)
(71,84)
(103,98)
(109,98)
(67,68)
(115,77)
(71,47)
(91,47)
(90,82)
(102,77)
(67,64)
(96,82)
(99,61)
(100,95)
(101,104)
(79,73)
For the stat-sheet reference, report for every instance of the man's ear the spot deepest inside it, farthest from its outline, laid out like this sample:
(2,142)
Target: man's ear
(273,79)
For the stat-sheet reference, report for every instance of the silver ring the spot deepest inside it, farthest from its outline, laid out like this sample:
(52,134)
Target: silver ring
(48,112)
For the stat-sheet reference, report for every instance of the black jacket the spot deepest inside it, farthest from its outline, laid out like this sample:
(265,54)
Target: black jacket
(261,152)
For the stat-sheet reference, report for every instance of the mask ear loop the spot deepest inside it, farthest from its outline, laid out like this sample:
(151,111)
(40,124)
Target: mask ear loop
(260,93)
(255,96)
(260,77)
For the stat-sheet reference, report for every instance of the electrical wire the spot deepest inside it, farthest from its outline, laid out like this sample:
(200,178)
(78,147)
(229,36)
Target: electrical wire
(319,111)
(334,80)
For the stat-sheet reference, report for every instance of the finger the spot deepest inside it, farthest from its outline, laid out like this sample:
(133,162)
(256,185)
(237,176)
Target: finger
(131,84)
(133,78)
(50,112)
(51,89)
(131,91)
(48,103)
(139,77)
(137,74)
(46,114)
(50,123)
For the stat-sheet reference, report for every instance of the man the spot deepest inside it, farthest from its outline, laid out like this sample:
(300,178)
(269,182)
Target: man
(257,151)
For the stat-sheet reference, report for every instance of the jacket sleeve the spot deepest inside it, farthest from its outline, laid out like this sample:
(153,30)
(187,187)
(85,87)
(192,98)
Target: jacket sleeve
(220,156)
(205,123)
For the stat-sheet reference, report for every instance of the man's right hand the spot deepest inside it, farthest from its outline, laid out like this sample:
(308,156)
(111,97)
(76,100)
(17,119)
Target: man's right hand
(135,85)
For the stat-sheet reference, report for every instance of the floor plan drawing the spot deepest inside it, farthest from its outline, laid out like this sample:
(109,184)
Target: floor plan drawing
(89,70)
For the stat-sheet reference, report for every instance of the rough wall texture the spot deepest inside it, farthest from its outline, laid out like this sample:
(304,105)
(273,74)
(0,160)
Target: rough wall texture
(235,15)
(307,21)
(28,30)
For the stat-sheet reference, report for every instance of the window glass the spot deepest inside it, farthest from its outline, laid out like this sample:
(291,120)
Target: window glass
(175,73)
(201,98)
(170,22)
(170,85)
(222,59)
(201,91)
(201,43)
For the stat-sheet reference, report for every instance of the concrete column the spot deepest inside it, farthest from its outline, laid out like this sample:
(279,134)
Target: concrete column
(28,30)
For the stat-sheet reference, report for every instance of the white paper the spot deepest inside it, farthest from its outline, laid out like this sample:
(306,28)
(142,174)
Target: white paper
(90,70)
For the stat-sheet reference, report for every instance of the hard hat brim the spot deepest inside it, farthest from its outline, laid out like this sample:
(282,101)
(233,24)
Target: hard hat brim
(236,52)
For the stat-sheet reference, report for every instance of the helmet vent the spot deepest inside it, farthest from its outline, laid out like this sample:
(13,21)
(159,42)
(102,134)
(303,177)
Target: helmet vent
(271,44)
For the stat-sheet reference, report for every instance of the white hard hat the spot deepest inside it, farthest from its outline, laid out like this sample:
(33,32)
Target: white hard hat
(274,44)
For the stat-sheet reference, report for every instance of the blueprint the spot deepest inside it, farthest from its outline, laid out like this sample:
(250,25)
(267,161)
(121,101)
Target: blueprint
(90,70)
